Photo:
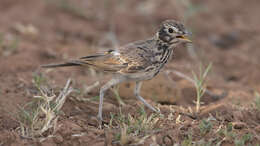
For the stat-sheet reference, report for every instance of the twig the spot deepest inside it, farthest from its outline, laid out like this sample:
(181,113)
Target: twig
(63,94)
(89,88)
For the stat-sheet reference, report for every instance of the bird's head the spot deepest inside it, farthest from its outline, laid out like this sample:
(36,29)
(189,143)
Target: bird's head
(173,33)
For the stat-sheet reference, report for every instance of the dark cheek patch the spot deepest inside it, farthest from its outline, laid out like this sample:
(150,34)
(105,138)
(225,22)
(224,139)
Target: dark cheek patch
(164,36)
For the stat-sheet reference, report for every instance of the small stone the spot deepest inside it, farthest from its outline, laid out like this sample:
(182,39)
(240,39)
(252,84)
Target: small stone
(238,125)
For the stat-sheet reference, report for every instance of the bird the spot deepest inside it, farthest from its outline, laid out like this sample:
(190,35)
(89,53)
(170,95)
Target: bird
(137,61)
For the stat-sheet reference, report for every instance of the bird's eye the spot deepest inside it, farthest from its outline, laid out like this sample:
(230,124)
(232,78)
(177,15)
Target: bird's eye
(170,30)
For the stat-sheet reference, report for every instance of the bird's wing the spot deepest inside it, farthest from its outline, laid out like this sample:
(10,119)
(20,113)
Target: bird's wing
(132,58)
(138,58)
(109,61)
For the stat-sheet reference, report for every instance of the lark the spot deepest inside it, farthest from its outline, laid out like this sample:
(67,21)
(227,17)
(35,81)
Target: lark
(137,61)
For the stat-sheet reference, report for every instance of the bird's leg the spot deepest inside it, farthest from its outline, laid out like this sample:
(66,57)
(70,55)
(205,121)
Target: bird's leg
(103,89)
(137,94)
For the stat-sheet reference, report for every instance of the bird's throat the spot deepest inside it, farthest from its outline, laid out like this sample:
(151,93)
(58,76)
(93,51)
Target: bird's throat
(163,52)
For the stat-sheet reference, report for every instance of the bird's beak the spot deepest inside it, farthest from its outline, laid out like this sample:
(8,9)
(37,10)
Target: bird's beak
(184,38)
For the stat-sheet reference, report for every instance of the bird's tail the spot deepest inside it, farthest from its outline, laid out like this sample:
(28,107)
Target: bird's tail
(93,60)
(66,64)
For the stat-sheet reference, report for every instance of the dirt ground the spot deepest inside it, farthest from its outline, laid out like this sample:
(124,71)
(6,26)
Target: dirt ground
(227,34)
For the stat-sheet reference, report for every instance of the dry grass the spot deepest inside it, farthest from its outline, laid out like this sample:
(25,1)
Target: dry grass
(40,116)
(133,129)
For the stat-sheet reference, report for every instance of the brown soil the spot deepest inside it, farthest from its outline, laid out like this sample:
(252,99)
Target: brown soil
(227,34)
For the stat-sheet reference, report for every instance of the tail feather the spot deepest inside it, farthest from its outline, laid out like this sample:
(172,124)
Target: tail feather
(96,61)
(61,65)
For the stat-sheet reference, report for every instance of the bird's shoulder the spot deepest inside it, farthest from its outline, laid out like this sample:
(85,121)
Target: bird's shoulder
(138,55)
(138,49)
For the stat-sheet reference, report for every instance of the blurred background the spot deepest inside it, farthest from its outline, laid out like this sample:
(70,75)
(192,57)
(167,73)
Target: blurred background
(36,32)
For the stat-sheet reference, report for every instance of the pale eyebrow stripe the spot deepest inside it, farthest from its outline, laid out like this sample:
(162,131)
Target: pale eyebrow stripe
(175,29)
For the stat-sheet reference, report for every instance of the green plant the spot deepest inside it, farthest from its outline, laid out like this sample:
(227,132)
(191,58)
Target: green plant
(202,142)
(187,141)
(134,128)
(205,126)
(245,138)
(39,80)
(200,83)
(226,133)
(142,124)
